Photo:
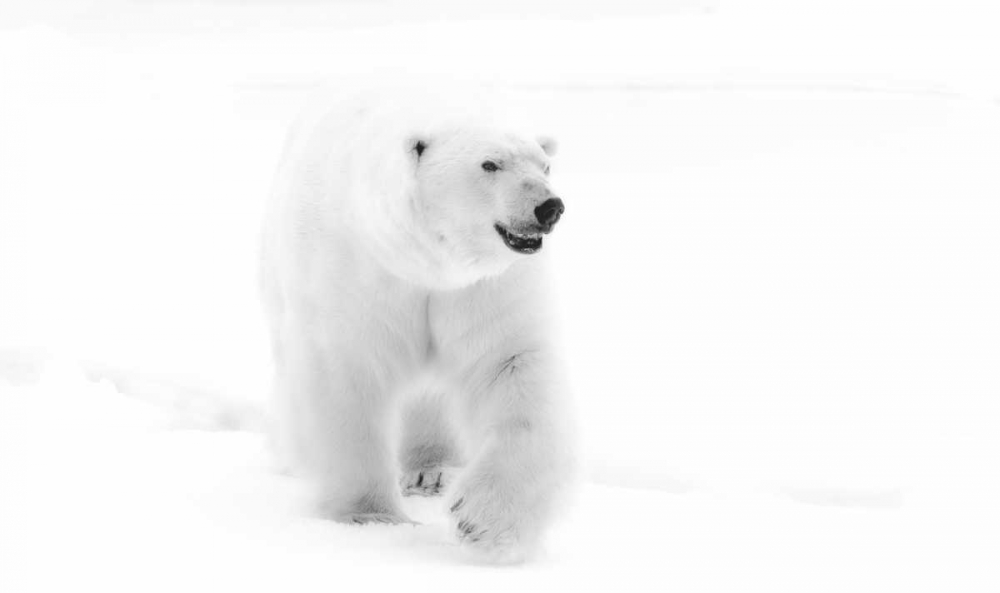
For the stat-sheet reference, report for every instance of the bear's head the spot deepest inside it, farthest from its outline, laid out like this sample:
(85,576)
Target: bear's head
(481,197)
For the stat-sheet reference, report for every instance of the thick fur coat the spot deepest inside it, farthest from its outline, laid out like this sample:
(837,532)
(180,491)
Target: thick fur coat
(406,292)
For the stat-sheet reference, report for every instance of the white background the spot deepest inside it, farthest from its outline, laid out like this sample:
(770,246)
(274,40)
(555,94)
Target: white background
(778,275)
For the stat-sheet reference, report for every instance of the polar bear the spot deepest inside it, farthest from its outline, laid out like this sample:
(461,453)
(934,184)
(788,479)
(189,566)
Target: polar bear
(404,283)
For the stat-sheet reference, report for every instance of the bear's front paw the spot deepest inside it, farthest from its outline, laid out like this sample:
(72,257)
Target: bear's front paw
(491,521)
(425,482)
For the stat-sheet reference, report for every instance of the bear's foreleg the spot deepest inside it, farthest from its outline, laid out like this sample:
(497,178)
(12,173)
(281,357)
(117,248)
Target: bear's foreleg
(522,462)
(344,412)
(429,452)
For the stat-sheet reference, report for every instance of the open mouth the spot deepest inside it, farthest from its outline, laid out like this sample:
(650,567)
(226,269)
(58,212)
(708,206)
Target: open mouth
(518,242)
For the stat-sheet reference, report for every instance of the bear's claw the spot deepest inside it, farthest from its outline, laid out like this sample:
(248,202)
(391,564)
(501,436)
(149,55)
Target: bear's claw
(428,482)
(470,532)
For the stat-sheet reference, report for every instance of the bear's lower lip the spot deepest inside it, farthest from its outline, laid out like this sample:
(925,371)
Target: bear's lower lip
(519,243)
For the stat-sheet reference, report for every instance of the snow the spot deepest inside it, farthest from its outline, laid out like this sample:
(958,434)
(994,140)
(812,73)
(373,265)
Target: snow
(778,273)
(123,495)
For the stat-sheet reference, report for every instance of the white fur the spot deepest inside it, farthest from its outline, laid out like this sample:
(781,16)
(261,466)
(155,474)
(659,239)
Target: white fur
(408,339)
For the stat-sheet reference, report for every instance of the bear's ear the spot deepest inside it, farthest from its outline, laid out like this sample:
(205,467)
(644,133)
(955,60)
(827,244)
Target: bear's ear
(548,144)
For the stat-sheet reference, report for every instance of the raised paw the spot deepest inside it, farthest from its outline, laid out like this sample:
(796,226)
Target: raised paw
(426,482)
(485,526)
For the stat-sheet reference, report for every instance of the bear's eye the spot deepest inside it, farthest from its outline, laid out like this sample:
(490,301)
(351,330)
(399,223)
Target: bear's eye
(547,169)
(490,166)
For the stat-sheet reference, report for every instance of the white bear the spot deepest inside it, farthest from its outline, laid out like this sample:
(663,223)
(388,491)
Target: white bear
(404,284)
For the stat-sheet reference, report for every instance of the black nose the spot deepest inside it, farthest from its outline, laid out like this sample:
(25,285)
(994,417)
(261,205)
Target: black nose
(548,213)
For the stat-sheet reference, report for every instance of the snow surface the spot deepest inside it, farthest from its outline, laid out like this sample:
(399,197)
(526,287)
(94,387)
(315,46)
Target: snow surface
(114,494)
(779,274)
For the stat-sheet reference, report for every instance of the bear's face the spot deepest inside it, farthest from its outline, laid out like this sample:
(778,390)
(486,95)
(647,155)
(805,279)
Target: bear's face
(483,197)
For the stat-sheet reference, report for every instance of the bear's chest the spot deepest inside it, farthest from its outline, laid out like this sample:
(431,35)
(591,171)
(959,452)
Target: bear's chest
(474,323)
